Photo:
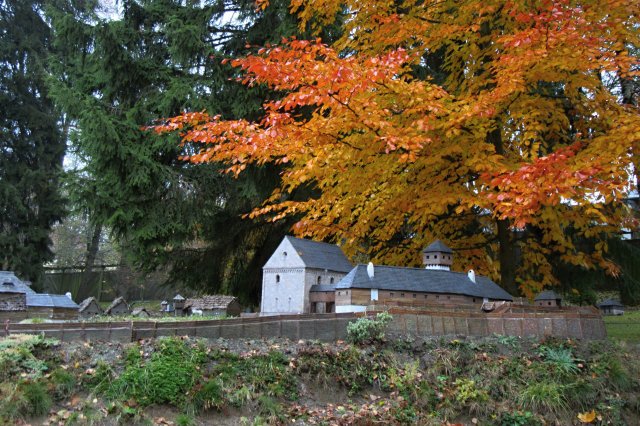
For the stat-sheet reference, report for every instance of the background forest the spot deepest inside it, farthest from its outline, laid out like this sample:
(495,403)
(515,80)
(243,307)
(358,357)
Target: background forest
(84,184)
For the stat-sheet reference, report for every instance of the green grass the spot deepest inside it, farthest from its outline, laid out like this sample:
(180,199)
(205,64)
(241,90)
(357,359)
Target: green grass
(625,327)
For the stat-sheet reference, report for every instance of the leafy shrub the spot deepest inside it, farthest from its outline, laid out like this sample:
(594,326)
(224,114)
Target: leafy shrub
(166,377)
(519,418)
(365,330)
(19,356)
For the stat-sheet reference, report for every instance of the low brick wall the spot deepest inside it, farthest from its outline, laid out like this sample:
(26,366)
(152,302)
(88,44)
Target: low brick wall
(581,324)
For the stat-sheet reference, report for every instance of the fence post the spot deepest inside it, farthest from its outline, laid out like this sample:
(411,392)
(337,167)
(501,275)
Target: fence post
(7,324)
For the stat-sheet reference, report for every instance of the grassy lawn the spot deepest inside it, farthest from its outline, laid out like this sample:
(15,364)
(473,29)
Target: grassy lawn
(625,327)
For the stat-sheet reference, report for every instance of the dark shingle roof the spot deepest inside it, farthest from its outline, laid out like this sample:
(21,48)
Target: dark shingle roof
(319,255)
(115,303)
(323,287)
(209,302)
(17,285)
(87,302)
(548,295)
(50,301)
(610,302)
(422,280)
(437,246)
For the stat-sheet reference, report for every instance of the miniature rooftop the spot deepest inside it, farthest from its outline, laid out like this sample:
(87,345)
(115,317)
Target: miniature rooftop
(320,255)
(438,247)
(9,283)
(209,302)
(44,300)
(422,280)
(548,295)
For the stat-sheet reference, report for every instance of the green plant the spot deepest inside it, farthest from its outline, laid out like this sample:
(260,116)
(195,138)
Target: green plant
(560,358)
(466,390)
(185,420)
(63,383)
(519,418)
(166,377)
(209,395)
(544,395)
(37,398)
(365,330)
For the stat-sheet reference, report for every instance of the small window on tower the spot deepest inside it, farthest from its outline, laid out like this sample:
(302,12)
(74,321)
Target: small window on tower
(435,256)
(427,256)
(331,280)
(284,254)
(319,279)
(277,278)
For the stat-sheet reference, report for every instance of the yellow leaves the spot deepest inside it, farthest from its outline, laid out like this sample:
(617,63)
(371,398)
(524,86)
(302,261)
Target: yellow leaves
(587,417)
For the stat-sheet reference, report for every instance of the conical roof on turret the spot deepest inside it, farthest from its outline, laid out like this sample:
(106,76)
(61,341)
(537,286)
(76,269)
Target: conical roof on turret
(437,246)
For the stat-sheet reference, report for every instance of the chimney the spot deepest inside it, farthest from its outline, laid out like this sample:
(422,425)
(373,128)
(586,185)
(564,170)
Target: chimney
(472,275)
(370,270)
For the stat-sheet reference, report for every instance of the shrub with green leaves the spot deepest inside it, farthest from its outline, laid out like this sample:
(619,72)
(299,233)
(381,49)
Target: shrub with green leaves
(366,330)
(165,377)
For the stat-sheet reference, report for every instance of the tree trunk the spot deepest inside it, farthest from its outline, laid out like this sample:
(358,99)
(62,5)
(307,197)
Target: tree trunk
(507,252)
(92,253)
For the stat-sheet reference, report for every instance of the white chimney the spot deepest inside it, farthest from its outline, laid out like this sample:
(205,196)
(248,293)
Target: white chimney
(370,271)
(68,294)
(471,275)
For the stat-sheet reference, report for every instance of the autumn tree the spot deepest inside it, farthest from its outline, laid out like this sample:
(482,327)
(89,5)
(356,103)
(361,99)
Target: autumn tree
(487,124)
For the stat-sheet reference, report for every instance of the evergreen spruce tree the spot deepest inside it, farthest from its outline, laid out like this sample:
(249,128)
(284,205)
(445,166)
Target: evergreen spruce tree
(112,78)
(31,145)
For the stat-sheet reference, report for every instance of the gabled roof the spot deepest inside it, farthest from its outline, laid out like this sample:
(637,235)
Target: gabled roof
(610,303)
(422,280)
(548,295)
(437,246)
(323,287)
(320,255)
(43,300)
(209,302)
(87,302)
(115,303)
(16,286)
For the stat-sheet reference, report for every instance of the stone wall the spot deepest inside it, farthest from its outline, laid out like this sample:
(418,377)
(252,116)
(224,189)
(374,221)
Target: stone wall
(13,301)
(582,324)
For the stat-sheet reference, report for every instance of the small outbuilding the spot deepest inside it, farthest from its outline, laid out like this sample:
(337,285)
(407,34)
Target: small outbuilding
(214,305)
(13,297)
(611,307)
(52,306)
(548,299)
(140,312)
(118,307)
(89,307)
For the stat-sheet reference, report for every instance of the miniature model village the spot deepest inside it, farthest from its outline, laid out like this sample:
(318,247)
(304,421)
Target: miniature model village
(302,277)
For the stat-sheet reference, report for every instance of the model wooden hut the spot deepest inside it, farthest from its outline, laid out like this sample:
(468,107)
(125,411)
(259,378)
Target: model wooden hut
(140,312)
(215,305)
(89,307)
(118,307)
(611,307)
(548,299)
